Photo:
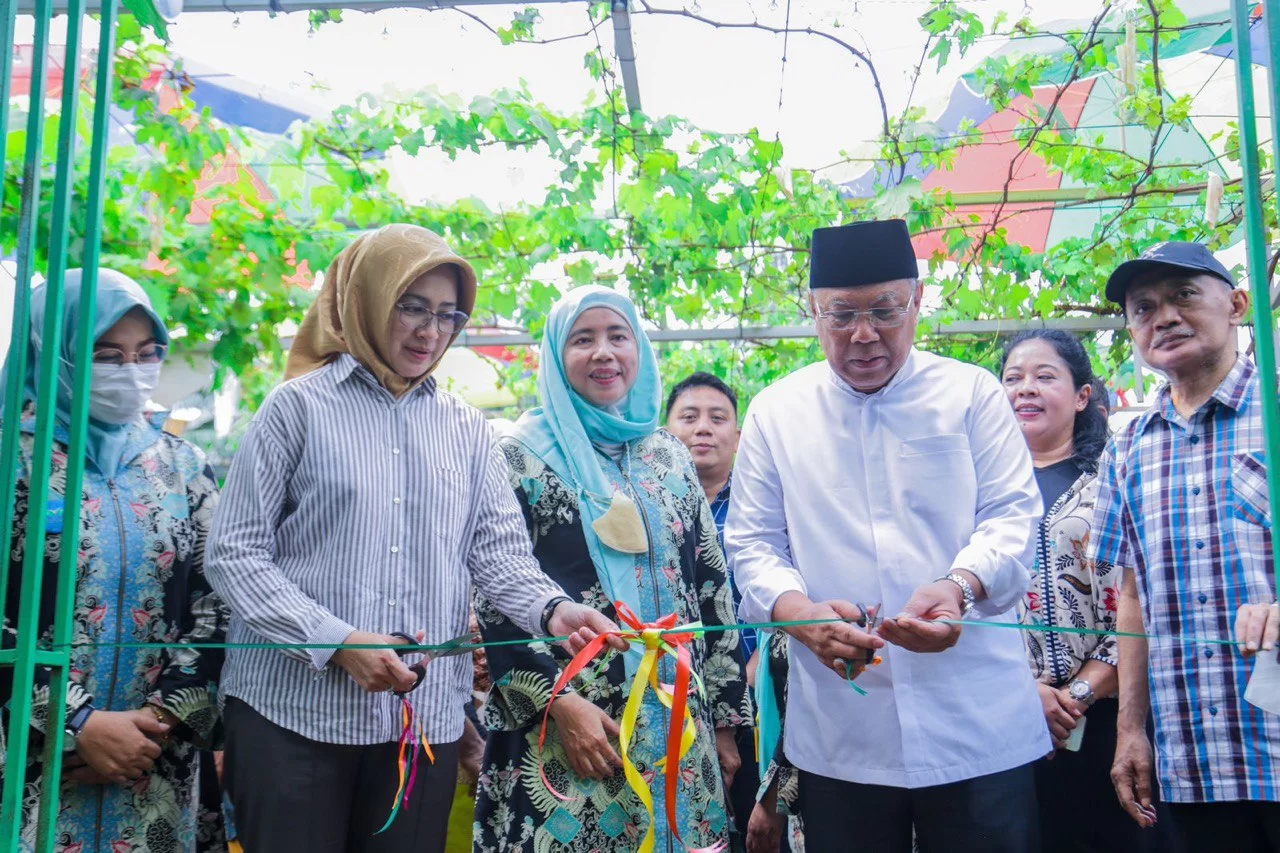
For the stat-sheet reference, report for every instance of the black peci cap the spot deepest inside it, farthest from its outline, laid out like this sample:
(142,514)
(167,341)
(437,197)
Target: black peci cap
(861,253)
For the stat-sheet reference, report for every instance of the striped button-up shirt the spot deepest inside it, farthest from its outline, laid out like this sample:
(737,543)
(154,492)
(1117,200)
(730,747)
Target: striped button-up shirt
(346,509)
(1183,503)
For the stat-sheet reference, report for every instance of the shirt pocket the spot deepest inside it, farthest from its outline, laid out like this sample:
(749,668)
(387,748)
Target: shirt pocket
(448,501)
(1252,500)
(931,445)
(936,472)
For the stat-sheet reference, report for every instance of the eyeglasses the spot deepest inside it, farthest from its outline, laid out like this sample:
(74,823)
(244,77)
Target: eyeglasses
(880,318)
(148,354)
(415,317)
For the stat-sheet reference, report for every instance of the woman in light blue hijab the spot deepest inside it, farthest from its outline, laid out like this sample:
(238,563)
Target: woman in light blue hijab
(139,719)
(616,513)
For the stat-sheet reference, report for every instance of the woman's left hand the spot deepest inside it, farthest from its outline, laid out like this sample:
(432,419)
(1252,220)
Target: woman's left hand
(730,760)
(581,625)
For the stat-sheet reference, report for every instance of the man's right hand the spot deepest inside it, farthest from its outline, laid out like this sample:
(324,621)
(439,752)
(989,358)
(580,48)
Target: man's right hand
(120,745)
(1060,712)
(837,644)
(1131,775)
(585,731)
(375,670)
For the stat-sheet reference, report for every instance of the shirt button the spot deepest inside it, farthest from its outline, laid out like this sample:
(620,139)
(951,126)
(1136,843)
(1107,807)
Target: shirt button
(1213,711)
(391,602)
(395,549)
(395,500)
(1196,490)
(1208,653)
(1195,439)
(396,451)
(1199,544)
(1203,598)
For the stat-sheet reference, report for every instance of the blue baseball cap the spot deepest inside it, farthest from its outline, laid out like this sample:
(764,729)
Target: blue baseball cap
(1172,256)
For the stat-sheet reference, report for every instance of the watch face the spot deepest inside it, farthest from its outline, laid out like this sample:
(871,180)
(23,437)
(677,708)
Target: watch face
(1079,690)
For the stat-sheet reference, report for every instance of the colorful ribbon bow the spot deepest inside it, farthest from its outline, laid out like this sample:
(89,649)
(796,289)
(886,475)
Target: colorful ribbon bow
(663,637)
(412,736)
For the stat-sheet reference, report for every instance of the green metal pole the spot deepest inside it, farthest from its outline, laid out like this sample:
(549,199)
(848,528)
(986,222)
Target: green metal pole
(55,722)
(14,365)
(16,362)
(1256,242)
(20,703)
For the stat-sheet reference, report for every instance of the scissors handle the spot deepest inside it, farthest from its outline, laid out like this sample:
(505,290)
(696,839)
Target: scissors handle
(420,670)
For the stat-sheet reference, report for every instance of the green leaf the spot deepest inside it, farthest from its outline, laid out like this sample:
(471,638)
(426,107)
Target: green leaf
(148,16)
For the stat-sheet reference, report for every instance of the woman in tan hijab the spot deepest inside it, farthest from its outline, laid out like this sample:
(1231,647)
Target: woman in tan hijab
(361,507)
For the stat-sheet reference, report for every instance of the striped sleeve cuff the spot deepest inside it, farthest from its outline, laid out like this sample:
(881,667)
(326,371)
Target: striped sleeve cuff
(330,630)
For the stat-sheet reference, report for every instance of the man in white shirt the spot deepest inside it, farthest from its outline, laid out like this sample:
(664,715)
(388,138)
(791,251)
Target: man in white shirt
(887,474)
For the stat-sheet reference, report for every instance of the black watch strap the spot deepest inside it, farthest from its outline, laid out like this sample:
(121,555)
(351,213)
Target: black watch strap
(549,610)
(75,723)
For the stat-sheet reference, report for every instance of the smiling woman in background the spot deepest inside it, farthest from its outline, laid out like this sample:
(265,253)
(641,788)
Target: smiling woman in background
(1049,381)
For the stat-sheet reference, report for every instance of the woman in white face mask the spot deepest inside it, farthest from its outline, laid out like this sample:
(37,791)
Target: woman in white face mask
(137,719)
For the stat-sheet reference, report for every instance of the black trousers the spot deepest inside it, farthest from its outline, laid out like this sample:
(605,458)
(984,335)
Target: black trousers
(294,794)
(989,814)
(1241,827)
(1073,785)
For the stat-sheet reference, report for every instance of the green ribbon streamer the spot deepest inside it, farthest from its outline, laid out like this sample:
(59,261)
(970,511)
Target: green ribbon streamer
(700,629)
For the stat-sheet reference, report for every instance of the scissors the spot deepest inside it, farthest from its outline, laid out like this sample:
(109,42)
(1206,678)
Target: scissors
(869,622)
(459,645)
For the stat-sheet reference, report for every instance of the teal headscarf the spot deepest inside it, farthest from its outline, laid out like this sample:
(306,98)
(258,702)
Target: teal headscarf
(117,295)
(561,432)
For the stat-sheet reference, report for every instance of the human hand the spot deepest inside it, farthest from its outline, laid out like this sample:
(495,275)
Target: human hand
(1257,627)
(582,624)
(765,826)
(1060,712)
(730,759)
(585,732)
(480,660)
(914,629)
(375,670)
(119,745)
(1131,776)
(837,644)
(76,770)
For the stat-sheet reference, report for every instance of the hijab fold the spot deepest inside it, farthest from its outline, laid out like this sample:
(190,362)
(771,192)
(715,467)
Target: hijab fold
(117,295)
(563,430)
(353,312)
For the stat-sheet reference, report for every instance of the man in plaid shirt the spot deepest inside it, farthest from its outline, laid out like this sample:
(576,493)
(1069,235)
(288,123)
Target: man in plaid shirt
(1184,508)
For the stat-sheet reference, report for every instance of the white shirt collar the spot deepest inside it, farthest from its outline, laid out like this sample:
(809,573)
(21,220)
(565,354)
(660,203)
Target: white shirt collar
(908,368)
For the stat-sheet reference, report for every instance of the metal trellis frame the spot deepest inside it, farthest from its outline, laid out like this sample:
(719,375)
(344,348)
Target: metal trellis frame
(1255,227)
(28,657)
(23,651)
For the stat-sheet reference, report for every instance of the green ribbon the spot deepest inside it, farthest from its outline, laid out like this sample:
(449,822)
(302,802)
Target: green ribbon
(699,629)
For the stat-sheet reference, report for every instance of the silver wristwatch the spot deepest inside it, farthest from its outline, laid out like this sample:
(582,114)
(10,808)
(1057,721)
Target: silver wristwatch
(965,589)
(1081,691)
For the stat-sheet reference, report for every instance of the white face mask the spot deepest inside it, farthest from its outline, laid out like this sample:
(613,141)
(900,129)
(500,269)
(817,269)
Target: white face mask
(118,392)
